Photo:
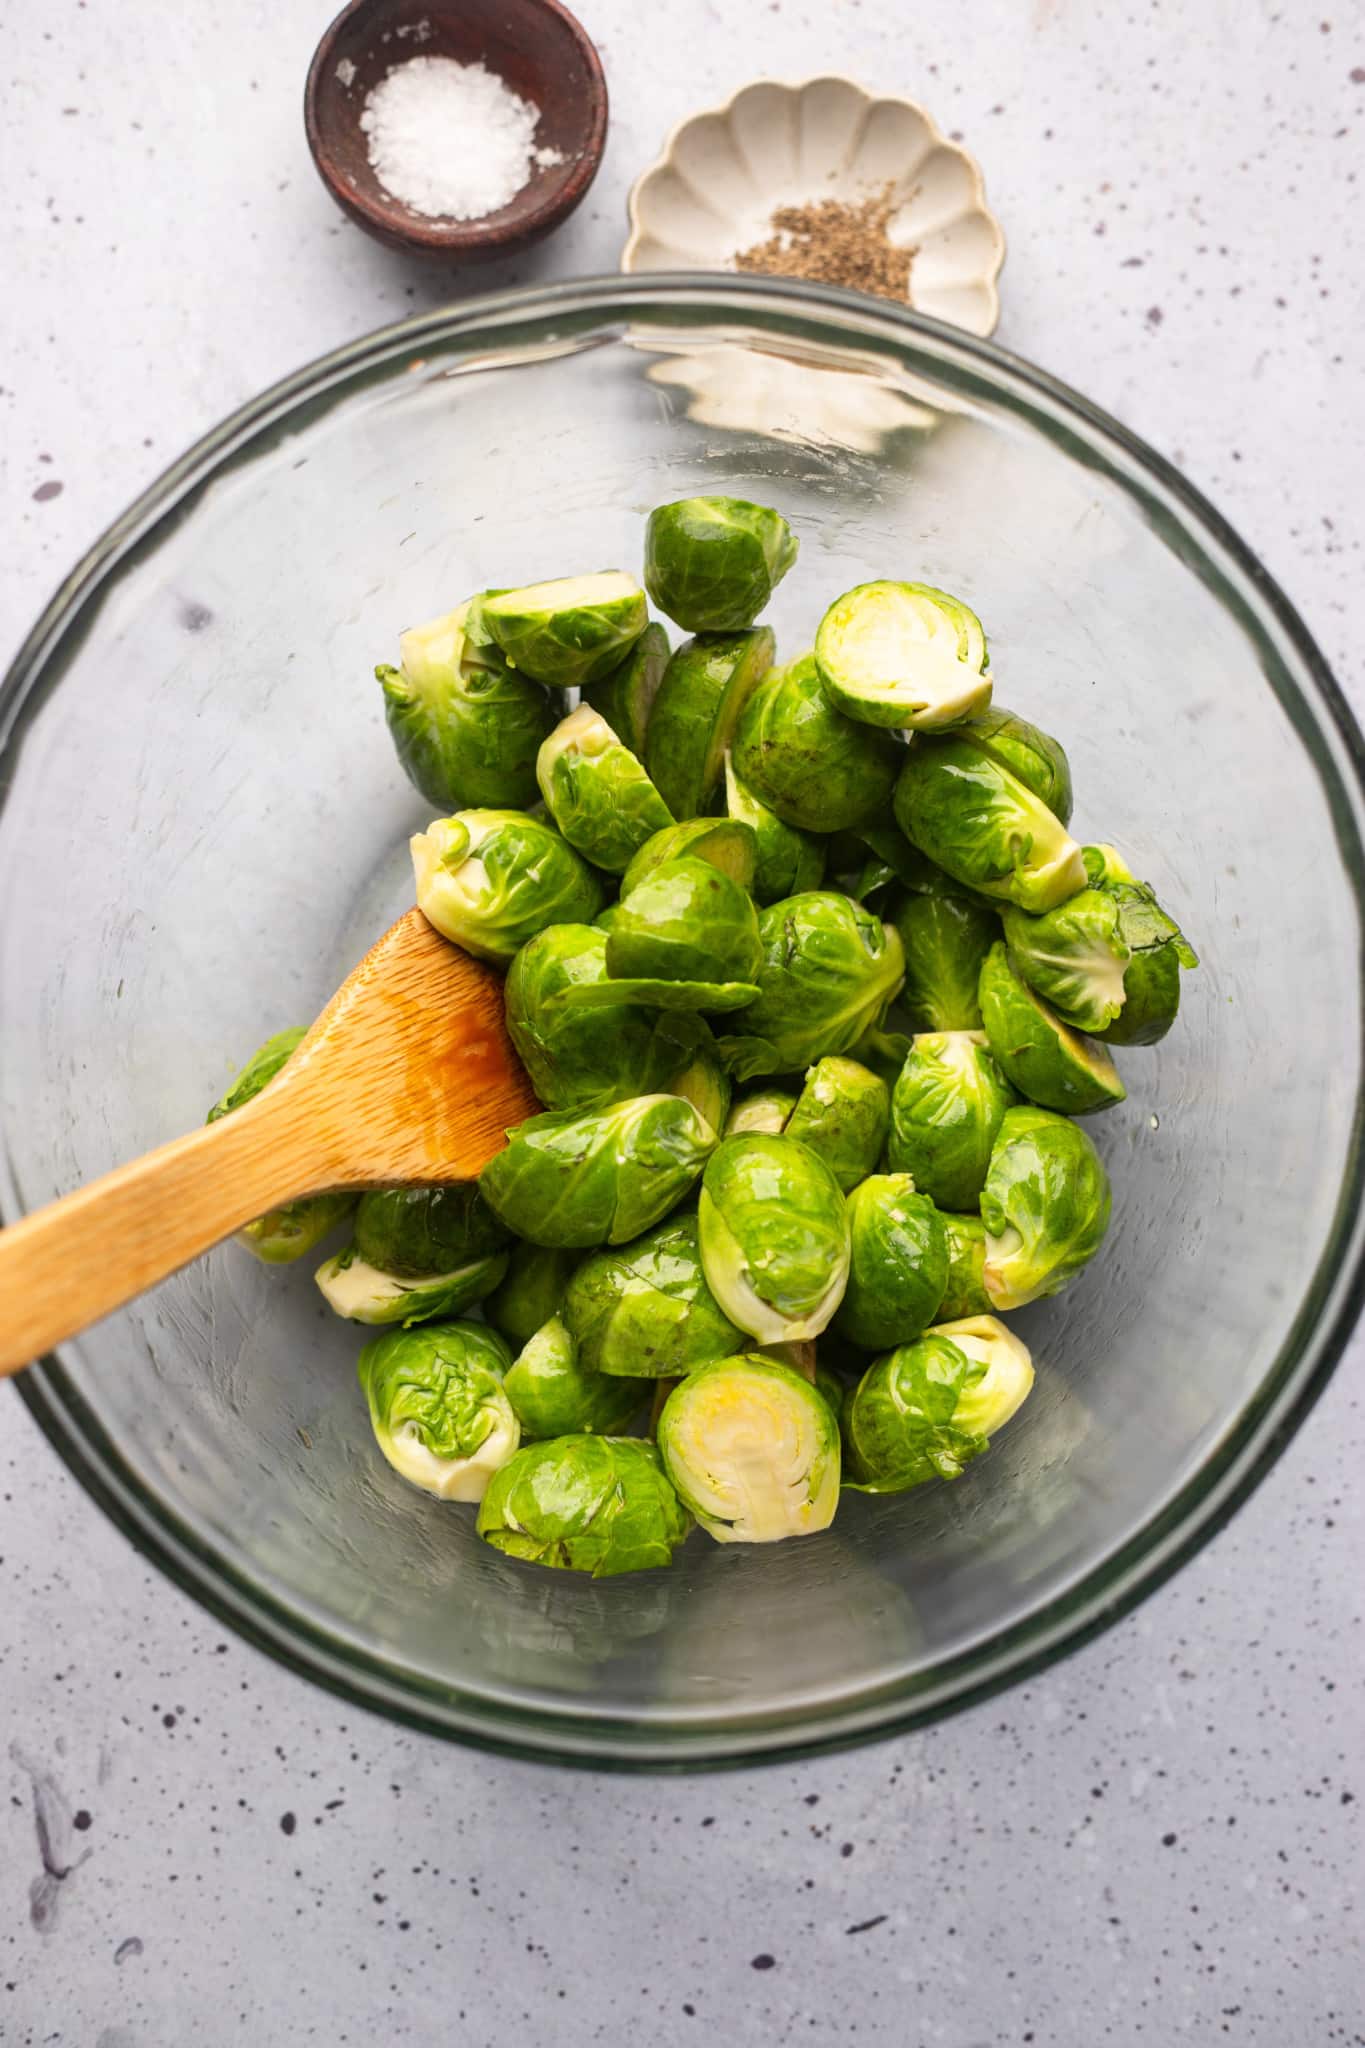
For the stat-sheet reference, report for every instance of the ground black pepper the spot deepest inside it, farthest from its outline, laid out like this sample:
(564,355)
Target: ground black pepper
(835,241)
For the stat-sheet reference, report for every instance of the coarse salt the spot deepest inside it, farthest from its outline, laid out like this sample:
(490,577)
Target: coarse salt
(451,141)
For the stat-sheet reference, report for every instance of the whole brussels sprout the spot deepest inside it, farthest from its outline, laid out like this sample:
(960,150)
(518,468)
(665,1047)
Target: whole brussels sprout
(411,1231)
(490,880)
(364,1293)
(983,825)
(903,654)
(774,1236)
(581,1178)
(644,1311)
(581,1058)
(295,1228)
(440,1413)
(829,970)
(761,1109)
(1045,1205)
(753,1451)
(945,939)
(945,1113)
(706,685)
(1089,956)
(787,861)
(1045,1060)
(685,922)
(842,1114)
(530,1295)
(569,632)
(712,563)
(727,845)
(597,792)
(705,1083)
(598,1504)
(555,1394)
(802,758)
(466,727)
(898,1267)
(625,695)
(925,1410)
(1030,754)
(965,1293)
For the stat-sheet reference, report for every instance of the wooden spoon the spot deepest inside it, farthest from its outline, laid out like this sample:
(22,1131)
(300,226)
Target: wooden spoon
(408,1075)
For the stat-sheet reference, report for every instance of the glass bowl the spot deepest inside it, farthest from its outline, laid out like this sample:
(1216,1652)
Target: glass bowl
(204,826)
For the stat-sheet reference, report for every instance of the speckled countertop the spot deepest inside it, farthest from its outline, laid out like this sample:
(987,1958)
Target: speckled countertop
(1159,1840)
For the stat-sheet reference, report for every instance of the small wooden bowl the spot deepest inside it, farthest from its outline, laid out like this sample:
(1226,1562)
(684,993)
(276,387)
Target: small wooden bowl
(536,46)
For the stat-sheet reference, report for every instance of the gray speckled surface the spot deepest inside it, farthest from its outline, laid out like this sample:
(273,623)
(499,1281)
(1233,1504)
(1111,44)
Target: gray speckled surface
(1160,1839)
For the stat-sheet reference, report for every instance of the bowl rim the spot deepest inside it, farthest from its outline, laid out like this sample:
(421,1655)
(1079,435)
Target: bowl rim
(1108,1589)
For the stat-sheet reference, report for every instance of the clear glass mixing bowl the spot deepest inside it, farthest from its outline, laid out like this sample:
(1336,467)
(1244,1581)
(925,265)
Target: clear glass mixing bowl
(204,826)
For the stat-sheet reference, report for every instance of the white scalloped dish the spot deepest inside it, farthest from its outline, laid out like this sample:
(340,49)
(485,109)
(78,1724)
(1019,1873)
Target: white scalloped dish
(722,174)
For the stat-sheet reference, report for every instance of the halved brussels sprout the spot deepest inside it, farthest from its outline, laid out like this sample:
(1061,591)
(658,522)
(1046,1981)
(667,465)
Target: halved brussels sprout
(625,695)
(706,685)
(295,1228)
(928,1408)
(945,1113)
(1045,1205)
(440,1413)
(490,880)
(597,792)
(753,1450)
(774,1236)
(898,1267)
(903,654)
(465,725)
(598,1504)
(582,1058)
(599,1176)
(761,1109)
(644,1311)
(830,968)
(802,758)
(842,1114)
(555,1394)
(945,939)
(1030,754)
(534,1287)
(965,1293)
(983,825)
(1045,1060)
(364,1293)
(411,1231)
(712,563)
(705,1083)
(568,632)
(685,922)
(729,846)
(787,861)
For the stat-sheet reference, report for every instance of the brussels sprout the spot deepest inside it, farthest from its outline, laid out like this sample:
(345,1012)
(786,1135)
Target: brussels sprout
(1073,956)
(466,727)
(644,1311)
(625,696)
(925,1410)
(774,1236)
(965,1294)
(762,1109)
(705,1083)
(1045,1206)
(722,842)
(1105,864)
(440,1412)
(945,1113)
(898,1266)
(787,861)
(1032,756)
(830,968)
(570,632)
(364,1293)
(295,1228)
(983,825)
(602,1176)
(842,1115)
(597,792)
(706,685)
(579,1058)
(945,939)
(1045,1060)
(753,1450)
(1158,949)
(490,880)
(713,563)
(598,1504)
(903,654)
(414,1231)
(802,758)
(685,922)
(537,1278)
(555,1394)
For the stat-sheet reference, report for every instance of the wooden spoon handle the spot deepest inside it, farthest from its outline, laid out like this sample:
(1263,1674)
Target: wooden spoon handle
(65,1266)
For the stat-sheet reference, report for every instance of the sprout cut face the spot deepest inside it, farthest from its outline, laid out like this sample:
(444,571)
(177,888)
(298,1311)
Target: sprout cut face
(762,1109)
(903,654)
(645,1311)
(829,970)
(705,688)
(774,1237)
(597,792)
(722,842)
(1045,1207)
(752,1449)
(582,1178)
(928,1408)
(711,564)
(800,755)
(440,1413)
(466,727)
(984,826)
(490,880)
(946,1110)
(842,1115)
(1044,1059)
(555,1394)
(597,1504)
(364,1293)
(568,632)
(898,1269)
